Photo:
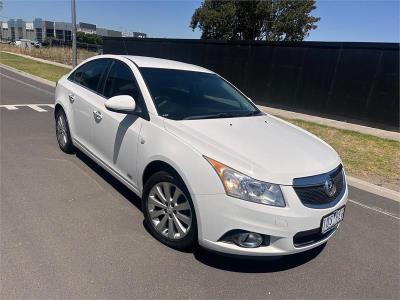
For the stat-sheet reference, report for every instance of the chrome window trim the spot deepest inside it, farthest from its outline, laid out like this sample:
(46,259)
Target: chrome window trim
(143,113)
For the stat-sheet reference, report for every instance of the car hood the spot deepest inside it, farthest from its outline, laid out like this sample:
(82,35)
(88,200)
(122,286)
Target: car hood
(262,147)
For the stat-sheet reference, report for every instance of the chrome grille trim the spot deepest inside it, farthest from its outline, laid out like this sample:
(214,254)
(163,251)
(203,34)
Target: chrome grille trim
(316,180)
(311,192)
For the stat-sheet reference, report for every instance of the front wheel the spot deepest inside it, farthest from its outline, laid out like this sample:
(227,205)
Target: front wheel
(62,132)
(169,211)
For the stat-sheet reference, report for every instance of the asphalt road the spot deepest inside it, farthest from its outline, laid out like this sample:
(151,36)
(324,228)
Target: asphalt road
(69,230)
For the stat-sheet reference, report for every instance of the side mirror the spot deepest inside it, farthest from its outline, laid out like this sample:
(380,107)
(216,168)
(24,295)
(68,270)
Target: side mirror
(121,104)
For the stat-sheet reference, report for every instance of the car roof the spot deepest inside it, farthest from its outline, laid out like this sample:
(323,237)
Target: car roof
(152,62)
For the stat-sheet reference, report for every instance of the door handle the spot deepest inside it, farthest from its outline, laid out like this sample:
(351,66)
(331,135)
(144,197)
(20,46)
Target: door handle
(71,98)
(97,115)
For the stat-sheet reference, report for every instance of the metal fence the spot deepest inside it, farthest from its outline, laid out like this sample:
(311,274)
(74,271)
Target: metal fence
(61,43)
(357,82)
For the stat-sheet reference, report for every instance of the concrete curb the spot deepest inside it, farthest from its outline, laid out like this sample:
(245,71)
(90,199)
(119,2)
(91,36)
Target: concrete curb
(390,135)
(30,76)
(40,60)
(352,181)
(373,189)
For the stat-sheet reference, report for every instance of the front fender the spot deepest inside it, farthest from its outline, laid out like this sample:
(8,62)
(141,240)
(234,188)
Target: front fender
(196,172)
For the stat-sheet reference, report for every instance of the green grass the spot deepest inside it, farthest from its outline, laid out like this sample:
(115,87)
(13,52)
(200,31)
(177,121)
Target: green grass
(364,156)
(43,70)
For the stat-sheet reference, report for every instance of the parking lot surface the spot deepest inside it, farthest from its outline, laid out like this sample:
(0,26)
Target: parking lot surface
(69,230)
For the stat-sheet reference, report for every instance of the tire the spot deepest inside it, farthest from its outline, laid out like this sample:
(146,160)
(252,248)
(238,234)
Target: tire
(172,222)
(63,134)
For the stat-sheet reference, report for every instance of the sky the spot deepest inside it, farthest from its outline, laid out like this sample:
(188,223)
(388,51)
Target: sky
(341,20)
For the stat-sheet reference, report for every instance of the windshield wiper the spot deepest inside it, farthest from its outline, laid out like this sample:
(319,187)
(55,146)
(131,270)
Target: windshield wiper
(253,113)
(214,116)
(224,115)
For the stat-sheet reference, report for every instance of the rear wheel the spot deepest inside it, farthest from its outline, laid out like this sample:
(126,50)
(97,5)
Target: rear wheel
(62,132)
(169,211)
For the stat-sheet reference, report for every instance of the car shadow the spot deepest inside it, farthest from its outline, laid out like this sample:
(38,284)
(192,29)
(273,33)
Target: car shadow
(221,261)
(111,180)
(245,264)
(123,126)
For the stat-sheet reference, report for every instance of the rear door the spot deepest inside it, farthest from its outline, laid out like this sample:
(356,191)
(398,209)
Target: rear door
(116,135)
(83,90)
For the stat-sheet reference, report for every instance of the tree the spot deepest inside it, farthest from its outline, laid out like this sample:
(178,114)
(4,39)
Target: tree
(271,20)
(89,38)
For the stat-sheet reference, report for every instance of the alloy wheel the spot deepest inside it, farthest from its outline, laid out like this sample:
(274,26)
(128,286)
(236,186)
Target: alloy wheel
(169,210)
(61,131)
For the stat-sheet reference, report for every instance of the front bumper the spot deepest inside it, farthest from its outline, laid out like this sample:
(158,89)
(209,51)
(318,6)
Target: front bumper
(219,214)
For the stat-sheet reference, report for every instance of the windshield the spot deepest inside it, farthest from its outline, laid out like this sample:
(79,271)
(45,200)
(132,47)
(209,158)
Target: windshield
(187,95)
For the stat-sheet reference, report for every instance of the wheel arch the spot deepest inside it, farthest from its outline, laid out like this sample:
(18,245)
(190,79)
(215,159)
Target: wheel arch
(157,165)
(160,165)
(57,108)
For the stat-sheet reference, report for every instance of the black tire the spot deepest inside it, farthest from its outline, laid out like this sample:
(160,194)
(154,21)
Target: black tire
(65,145)
(188,241)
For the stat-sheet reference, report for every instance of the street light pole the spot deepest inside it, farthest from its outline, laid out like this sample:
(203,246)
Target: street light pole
(73,15)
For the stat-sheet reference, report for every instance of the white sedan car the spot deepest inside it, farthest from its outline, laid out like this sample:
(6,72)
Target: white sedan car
(209,166)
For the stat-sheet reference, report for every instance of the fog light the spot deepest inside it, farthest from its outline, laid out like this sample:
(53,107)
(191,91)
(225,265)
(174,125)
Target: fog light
(248,239)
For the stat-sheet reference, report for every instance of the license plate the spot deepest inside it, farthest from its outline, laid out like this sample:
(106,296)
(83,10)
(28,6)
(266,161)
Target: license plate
(331,220)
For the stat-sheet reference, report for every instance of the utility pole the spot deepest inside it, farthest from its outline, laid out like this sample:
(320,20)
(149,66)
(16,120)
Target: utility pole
(73,15)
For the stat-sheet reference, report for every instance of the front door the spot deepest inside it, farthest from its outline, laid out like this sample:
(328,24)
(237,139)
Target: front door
(116,135)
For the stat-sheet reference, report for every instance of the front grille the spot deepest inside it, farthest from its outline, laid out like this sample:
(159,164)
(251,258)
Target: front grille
(309,237)
(311,191)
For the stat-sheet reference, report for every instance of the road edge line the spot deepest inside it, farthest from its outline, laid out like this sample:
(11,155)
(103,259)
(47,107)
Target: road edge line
(373,188)
(30,76)
(376,209)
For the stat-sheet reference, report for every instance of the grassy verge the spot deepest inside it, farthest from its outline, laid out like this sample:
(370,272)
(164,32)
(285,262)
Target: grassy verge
(58,54)
(364,156)
(46,71)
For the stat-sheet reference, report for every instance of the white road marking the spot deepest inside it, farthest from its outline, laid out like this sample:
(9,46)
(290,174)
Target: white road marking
(377,209)
(10,107)
(37,108)
(27,84)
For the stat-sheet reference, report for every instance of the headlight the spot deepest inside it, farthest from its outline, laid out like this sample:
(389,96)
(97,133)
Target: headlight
(241,186)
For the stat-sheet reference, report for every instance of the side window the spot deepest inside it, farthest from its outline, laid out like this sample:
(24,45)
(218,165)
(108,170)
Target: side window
(120,81)
(89,75)
(76,76)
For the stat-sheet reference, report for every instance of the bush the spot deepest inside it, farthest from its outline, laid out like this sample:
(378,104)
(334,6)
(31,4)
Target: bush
(89,38)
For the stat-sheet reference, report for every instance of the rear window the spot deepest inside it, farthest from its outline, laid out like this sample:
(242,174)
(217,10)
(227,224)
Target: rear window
(90,74)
